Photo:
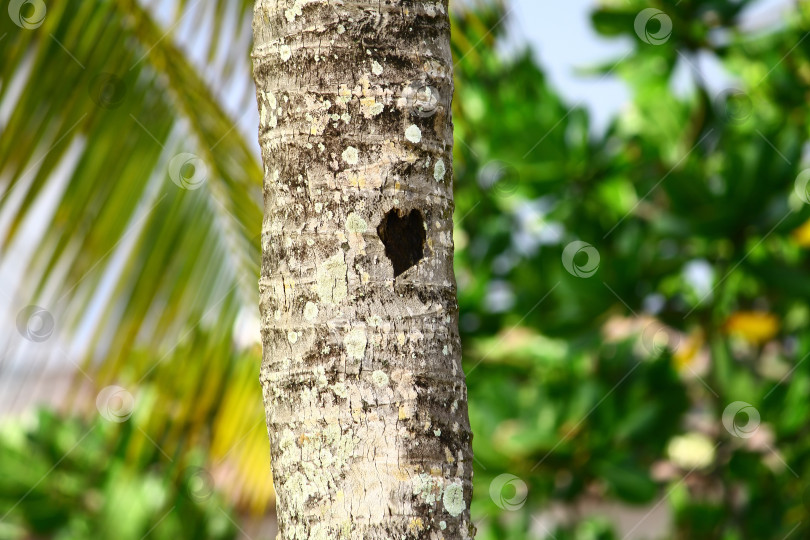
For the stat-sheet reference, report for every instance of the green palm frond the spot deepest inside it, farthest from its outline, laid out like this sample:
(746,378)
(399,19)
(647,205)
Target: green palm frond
(130,209)
(106,103)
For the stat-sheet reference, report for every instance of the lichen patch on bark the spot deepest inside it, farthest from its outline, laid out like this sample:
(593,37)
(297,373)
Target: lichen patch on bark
(413,134)
(355,342)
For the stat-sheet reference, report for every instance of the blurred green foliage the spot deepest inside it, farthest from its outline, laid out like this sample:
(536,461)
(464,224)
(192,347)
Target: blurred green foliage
(70,480)
(610,380)
(610,371)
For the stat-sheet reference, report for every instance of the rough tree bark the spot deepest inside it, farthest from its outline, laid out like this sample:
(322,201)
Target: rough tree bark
(364,393)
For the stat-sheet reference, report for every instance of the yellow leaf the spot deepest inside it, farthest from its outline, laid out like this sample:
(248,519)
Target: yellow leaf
(686,352)
(756,327)
(801,235)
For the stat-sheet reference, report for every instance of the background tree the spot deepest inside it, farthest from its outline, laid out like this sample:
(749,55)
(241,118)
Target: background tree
(365,396)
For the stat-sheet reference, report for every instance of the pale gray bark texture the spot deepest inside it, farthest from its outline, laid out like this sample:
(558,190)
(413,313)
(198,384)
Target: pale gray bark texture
(364,392)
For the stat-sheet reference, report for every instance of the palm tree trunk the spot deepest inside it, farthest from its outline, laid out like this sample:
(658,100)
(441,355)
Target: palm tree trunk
(363,388)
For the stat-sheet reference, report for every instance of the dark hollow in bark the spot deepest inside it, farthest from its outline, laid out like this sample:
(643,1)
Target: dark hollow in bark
(403,237)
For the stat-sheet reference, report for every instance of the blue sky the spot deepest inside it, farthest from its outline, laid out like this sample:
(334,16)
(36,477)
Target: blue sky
(562,38)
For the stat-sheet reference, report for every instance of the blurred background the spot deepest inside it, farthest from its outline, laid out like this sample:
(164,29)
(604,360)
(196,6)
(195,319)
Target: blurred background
(632,236)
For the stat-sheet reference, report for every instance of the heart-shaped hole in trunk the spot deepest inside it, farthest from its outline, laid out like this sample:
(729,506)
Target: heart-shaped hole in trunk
(404,238)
